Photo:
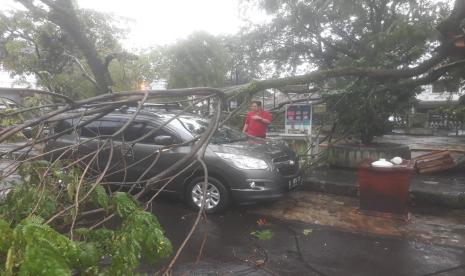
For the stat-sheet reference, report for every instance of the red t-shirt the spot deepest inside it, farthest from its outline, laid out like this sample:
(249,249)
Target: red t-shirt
(257,128)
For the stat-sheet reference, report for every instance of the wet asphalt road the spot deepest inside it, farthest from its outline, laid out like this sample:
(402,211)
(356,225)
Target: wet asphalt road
(230,249)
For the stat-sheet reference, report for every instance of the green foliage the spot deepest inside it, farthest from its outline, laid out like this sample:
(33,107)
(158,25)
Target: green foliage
(263,235)
(28,246)
(307,232)
(130,72)
(100,197)
(140,234)
(33,45)
(37,249)
(8,121)
(6,236)
(362,112)
(125,205)
(243,64)
(200,60)
(306,35)
(36,194)
(24,199)
(129,242)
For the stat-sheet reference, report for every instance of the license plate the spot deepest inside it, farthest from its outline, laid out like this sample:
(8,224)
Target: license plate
(294,182)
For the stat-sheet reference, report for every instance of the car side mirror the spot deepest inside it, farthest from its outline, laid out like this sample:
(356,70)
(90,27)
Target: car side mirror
(163,140)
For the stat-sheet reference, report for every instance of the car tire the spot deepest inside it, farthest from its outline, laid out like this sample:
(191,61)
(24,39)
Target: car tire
(217,199)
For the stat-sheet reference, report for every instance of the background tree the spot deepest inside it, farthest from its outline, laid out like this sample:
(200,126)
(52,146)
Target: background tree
(68,50)
(199,60)
(133,71)
(205,60)
(363,33)
(243,63)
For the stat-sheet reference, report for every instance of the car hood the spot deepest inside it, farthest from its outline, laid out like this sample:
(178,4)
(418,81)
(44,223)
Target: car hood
(260,148)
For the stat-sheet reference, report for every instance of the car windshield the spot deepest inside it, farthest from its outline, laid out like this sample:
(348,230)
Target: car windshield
(223,135)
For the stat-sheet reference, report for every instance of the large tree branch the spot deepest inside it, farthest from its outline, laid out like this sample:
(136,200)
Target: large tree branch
(376,73)
(63,14)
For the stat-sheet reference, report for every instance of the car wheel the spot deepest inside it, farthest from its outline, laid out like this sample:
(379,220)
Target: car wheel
(217,196)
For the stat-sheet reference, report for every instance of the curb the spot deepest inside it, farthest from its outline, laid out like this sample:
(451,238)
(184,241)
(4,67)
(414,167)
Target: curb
(332,187)
(419,196)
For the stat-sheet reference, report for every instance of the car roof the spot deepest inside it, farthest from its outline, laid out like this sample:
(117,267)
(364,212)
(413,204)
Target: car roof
(158,116)
(162,115)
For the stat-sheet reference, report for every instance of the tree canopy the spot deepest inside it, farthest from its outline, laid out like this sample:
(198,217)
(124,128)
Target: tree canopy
(306,35)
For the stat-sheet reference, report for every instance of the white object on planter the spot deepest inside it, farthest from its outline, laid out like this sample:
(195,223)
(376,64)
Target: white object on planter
(382,163)
(397,160)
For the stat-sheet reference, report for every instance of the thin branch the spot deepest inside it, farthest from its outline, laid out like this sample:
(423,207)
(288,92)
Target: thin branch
(83,70)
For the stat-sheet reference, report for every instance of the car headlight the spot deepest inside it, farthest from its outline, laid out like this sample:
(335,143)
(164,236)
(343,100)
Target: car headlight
(244,162)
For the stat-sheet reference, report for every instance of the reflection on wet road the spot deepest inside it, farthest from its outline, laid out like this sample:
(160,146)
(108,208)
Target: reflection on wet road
(294,248)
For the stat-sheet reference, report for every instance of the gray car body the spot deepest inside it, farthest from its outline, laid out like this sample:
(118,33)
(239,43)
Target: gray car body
(283,171)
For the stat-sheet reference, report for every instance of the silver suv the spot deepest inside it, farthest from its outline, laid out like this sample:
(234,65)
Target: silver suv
(240,169)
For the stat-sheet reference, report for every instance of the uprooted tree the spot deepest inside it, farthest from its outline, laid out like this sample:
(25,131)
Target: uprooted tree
(59,210)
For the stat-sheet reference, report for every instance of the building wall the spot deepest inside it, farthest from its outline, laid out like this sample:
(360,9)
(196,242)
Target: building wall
(429,95)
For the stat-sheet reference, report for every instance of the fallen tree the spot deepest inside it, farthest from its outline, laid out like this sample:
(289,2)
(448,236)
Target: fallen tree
(86,193)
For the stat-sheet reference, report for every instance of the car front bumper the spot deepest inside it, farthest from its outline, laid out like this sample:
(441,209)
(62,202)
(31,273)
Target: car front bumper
(266,188)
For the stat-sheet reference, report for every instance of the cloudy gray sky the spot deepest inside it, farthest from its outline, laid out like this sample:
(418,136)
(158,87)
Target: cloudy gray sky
(155,22)
(159,22)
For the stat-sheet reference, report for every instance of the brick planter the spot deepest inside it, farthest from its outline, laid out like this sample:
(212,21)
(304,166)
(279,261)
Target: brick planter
(350,156)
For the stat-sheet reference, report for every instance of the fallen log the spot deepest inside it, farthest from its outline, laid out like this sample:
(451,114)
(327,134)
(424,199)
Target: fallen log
(434,162)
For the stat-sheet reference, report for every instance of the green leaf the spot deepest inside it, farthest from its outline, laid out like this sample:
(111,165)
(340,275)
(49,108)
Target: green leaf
(124,203)
(307,232)
(6,236)
(263,235)
(100,197)
(23,199)
(88,255)
(139,235)
(40,250)
(30,247)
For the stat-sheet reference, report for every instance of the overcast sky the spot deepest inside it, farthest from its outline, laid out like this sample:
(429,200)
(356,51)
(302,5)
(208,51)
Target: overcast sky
(160,22)
(164,21)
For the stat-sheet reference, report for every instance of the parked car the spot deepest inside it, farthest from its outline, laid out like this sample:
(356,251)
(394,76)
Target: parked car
(240,169)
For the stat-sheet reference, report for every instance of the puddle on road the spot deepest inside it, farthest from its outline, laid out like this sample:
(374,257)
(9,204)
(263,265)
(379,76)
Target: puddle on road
(438,226)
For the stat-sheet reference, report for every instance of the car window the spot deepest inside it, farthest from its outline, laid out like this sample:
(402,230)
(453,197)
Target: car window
(140,129)
(222,135)
(133,132)
(101,127)
(65,125)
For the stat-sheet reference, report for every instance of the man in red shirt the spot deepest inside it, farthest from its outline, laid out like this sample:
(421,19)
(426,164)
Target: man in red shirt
(257,120)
